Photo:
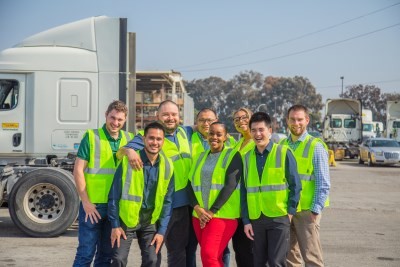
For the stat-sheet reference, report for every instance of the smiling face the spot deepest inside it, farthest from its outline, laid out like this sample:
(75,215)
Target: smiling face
(168,115)
(115,120)
(261,134)
(216,137)
(297,122)
(153,141)
(204,120)
(241,121)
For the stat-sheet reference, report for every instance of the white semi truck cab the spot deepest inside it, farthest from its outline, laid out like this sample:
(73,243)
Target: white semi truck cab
(342,125)
(393,120)
(53,87)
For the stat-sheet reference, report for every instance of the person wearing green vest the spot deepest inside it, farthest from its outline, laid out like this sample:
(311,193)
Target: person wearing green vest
(243,246)
(270,194)
(312,163)
(94,170)
(176,147)
(205,117)
(139,199)
(214,177)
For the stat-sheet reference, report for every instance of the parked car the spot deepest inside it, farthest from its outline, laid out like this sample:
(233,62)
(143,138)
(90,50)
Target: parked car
(382,151)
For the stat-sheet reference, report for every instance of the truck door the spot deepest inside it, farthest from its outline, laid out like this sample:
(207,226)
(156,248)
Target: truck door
(12,113)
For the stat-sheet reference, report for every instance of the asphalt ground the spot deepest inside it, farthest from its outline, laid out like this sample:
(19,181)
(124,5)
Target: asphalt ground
(360,228)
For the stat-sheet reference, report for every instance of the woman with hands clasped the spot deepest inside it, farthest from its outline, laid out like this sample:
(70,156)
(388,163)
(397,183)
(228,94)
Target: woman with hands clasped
(215,176)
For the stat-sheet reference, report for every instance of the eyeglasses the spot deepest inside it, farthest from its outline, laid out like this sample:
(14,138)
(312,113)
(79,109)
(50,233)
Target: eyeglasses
(209,121)
(241,118)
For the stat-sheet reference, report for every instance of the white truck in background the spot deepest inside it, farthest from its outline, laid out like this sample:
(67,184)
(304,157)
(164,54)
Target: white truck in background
(367,123)
(53,87)
(393,120)
(342,125)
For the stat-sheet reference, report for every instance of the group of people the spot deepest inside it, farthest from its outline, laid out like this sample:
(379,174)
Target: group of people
(189,186)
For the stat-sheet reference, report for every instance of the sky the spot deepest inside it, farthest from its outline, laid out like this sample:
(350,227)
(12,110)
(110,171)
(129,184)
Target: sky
(358,40)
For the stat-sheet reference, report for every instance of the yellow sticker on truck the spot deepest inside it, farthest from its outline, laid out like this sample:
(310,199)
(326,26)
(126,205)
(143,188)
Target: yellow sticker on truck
(10,125)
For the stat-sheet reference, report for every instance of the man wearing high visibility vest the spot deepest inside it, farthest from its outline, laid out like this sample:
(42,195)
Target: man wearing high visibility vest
(312,164)
(140,198)
(270,194)
(94,170)
(177,147)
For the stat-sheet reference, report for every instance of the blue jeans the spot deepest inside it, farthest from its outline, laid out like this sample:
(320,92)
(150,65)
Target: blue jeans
(94,238)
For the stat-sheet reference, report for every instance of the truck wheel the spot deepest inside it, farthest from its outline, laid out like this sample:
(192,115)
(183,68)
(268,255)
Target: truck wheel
(44,202)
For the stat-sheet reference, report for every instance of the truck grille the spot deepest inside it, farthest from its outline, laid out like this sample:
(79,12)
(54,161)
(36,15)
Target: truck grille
(391,155)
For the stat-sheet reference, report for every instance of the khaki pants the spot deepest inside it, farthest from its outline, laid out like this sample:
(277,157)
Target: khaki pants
(305,244)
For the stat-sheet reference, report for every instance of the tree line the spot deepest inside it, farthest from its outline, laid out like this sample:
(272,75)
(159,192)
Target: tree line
(275,95)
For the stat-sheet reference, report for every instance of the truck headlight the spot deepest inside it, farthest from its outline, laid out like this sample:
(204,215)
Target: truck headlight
(379,153)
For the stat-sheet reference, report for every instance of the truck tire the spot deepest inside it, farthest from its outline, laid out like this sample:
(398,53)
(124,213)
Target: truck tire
(44,202)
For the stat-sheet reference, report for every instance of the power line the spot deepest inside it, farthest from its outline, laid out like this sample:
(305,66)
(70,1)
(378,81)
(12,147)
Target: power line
(294,53)
(367,83)
(291,39)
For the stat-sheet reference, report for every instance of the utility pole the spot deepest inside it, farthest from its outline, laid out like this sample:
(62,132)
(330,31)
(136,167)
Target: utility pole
(341,77)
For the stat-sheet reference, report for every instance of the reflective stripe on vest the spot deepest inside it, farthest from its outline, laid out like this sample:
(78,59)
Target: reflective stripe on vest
(181,158)
(231,208)
(133,187)
(304,156)
(270,195)
(101,167)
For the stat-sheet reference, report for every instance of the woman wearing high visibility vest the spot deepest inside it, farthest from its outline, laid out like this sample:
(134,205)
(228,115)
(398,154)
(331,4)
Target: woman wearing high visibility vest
(272,189)
(214,177)
(243,246)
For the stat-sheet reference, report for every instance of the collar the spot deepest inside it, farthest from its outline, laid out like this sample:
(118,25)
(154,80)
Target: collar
(301,138)
(145,159)
(109,136)
(267,149)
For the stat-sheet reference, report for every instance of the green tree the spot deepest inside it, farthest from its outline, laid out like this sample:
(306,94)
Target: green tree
(250,89)
(371,98)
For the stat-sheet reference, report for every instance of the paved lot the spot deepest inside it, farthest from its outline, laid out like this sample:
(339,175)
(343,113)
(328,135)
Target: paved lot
(361,228)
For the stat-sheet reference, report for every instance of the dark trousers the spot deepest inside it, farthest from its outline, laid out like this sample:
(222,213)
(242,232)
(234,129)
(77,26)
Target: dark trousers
(145,234)
(176,237)
(243,247)
(271,240)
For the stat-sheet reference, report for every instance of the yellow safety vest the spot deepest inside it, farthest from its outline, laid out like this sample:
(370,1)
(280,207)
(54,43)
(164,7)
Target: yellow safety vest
(101,167)
(270,195)
(181,157)
(304,156)
(231,209)
(249,146)
(133,187)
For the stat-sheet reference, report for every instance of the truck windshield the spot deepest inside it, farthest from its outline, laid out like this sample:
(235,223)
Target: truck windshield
(336,123)
(349,123)
(367,127)
(9,90)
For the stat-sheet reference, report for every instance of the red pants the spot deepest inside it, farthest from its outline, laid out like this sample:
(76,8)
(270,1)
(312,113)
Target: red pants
(213,239)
